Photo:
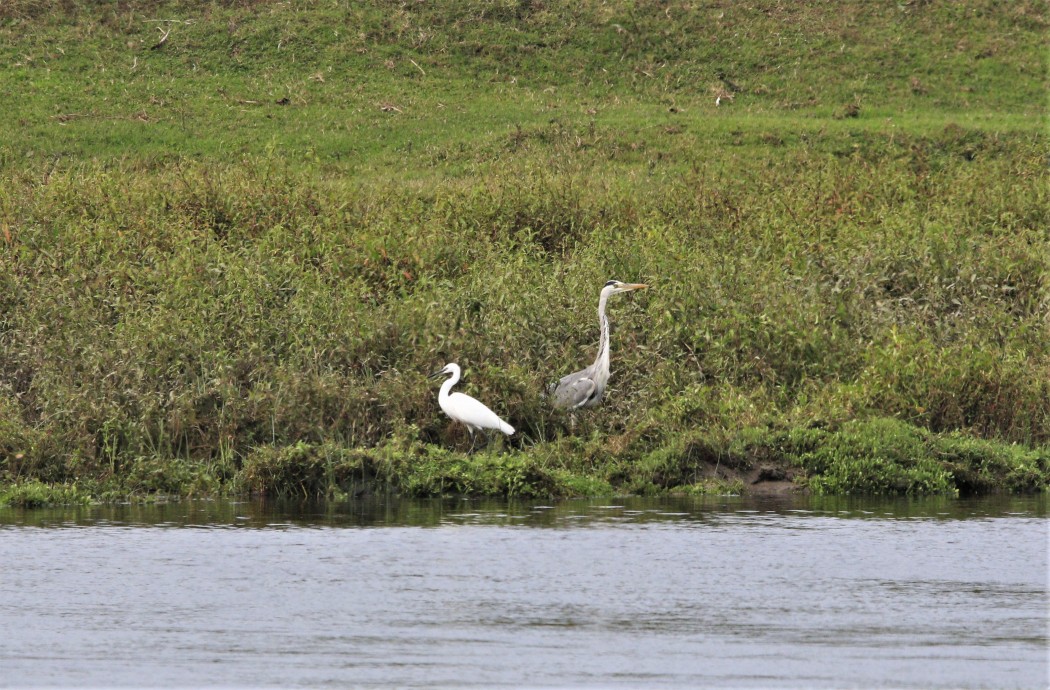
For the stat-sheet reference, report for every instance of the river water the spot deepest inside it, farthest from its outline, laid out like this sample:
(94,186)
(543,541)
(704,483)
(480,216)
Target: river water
(728,592)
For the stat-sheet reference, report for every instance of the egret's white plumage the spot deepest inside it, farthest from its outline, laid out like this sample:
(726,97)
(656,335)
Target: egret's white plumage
(465,409)
(584,388)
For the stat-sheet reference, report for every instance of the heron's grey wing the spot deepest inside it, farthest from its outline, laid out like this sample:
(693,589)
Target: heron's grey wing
(574,390)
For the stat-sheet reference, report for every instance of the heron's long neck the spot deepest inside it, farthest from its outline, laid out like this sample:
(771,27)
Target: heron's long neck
(603,342)
(446,387)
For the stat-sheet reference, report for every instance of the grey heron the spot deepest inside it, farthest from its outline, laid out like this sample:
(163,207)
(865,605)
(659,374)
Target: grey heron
(465,409)
(584,388)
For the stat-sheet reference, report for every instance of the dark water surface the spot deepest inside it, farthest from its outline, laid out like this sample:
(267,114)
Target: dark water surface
(724,592)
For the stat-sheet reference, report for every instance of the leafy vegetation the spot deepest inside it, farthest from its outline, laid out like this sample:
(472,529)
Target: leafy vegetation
(37,494)
(234,239)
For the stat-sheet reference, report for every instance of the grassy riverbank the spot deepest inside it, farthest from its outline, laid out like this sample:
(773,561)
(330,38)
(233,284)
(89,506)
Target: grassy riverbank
(229,258)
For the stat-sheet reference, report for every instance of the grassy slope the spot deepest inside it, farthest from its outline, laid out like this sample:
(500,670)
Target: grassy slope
(229,260)
(470,73)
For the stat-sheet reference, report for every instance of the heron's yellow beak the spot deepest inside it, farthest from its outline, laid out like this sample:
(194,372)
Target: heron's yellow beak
(635,286)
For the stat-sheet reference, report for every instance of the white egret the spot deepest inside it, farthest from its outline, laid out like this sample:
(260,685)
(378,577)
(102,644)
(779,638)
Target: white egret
(584,388)
(465,409)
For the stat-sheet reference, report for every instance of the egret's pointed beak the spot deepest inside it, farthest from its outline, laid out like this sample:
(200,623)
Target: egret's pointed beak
(439,372)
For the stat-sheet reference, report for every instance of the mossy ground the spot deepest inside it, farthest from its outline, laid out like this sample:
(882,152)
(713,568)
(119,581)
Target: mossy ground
(229,260)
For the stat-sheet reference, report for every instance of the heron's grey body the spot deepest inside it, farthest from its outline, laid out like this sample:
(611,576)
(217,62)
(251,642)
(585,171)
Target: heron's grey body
(585,388)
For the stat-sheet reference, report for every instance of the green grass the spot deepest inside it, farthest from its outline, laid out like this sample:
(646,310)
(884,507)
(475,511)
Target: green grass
(36,494)
(228,262)
(365,86)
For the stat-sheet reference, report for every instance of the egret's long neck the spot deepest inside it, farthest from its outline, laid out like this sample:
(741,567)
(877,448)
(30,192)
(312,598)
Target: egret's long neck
(446,387)
(603,342)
